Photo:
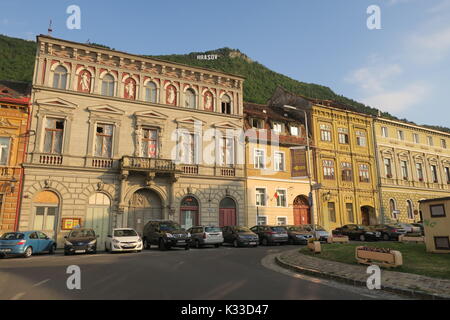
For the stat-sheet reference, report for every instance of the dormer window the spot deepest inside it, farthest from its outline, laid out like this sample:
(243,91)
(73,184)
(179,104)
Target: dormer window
(278,127)
(294,131)
(257,123)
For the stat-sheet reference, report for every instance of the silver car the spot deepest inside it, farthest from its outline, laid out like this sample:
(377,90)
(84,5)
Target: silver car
(206,235)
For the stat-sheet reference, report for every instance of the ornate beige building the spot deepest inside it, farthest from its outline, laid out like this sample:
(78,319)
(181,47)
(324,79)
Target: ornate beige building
(120,139)
(413,165)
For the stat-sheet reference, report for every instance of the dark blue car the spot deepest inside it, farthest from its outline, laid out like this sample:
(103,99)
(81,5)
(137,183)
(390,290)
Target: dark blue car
(26,243)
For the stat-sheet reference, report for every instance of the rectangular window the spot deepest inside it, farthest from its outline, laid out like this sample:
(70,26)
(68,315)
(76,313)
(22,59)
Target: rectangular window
(103,142)
(347,174)
(388,167)
(442,243)
(447,174)
(361,139)
(188,148)
(149,143)
(430,141)
(364,174)
(328,169)
(279,161)
(227,154)
(281,198)
(384,132)
(419,169)
(350,214)
(401,135)
(54,132)
(325,132)
(257,123)
(416,138)
(281,221)
(278,127)
(44,218)
(262,221)
(404,166)
(260,197)
(343,135)
(5,144)
(259,158)
(434,174)
(332,211)
(294,131)
(443,144)
(437,211)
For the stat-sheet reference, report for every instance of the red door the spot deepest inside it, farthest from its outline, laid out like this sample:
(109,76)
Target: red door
(227,217)
(301,211)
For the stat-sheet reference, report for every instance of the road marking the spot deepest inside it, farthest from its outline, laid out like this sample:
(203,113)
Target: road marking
(41,283)
(18,296)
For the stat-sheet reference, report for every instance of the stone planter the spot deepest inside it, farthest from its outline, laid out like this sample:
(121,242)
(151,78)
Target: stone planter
(315,246)
(334,239)
(405,238)
(389,260)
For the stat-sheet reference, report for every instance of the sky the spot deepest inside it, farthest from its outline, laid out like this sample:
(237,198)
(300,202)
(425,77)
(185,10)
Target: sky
(402,68)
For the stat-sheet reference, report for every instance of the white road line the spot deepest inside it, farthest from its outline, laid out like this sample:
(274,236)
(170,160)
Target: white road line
(18,296)
(41,283)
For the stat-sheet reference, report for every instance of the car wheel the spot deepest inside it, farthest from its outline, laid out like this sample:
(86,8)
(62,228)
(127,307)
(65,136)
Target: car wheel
(186,247)
(235,243)
(197,244)
(147,244)
(217,245)
(386,237)
(28,252)
(106,248)
(52,249)
(265,242)
(291,241)
(161,245)
(362,238)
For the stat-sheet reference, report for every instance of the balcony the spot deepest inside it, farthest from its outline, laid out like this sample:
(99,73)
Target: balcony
(190,169)
(51,159)
(148,165)
(227,172)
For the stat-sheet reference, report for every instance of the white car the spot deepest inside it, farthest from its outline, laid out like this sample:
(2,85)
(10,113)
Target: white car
(123,239)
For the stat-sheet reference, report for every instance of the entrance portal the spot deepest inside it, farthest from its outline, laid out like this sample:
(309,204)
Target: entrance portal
(368,216)
(227,212)
(302,211)
(98,217)
(145,205)
(189,212)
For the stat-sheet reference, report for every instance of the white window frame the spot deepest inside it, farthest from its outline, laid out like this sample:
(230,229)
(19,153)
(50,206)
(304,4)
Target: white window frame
(256,163)
(283,217)
(279,126)
(8,155)
(94,142)
(430,141)
(295,128)
(416,138)
(265,196)
(401,135)
(275,162)
(262,216)
(385,132)
(285,197)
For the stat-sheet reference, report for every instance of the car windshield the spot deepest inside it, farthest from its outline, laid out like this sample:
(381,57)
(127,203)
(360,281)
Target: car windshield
(81,234)
(169,226)
(296,228)
(242,229)
(318,228)
(125,233)
(12,236)
(279,229)
(212,229)
(362,228)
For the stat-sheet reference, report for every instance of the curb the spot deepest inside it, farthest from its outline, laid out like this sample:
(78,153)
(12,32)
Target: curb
(397,290)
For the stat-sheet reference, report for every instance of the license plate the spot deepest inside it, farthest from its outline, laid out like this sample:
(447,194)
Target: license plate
(80,251)
(181,241)
(252,243)
(5,250)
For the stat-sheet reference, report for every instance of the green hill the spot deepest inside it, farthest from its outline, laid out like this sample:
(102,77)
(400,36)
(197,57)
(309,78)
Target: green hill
(17,61)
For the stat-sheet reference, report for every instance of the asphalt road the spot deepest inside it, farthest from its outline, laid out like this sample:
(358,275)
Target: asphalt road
(206,274)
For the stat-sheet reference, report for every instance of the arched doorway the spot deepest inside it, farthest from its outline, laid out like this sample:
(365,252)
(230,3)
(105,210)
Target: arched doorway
(302,211)
(189,213)
(98,217)
(46,212)
(227,212)
(368,215)
(145,205)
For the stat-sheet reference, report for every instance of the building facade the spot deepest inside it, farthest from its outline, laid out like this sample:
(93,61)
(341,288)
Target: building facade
(413,165)
(14,115)
(278,184)
(121,139)
(344,161)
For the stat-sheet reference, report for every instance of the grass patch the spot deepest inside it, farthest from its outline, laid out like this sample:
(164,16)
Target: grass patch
(415,258)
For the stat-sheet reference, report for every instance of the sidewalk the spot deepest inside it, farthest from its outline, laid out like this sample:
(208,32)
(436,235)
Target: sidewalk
(408,284)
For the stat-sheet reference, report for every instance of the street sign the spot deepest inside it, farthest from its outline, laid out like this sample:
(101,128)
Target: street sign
(316,186)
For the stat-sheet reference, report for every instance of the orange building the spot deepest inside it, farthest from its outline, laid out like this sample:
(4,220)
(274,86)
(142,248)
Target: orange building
(14,115)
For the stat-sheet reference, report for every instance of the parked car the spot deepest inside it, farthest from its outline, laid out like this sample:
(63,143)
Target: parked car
(299,234)
(240,236)
(166,235)
(123,239)
(271,234)
(26,243)
(390,231)
(358,232)
(80,241)
(206,235)
(320,233)
(419,225)
(410,228)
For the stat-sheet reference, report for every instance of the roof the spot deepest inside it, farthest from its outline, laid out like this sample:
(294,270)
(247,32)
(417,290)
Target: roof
(15,92)
(435,199)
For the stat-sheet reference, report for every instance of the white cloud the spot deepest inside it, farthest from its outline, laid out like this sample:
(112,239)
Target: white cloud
(373,78)
(430,47)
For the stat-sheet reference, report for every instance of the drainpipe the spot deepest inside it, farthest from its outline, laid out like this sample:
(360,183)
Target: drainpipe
(378,171)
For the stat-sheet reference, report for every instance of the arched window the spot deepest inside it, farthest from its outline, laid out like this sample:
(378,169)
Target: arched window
(108,85)
(190,99)
(410,207)
(150,92)
(60,78)
(189,213)
(226,104)
(393,208)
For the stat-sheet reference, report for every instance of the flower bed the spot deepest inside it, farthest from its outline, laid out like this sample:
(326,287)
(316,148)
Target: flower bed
(379,256)
(315,246)
(405,238)
(338,239)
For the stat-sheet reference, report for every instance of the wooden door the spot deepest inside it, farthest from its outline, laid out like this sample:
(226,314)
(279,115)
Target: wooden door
(302,212)
(227,217)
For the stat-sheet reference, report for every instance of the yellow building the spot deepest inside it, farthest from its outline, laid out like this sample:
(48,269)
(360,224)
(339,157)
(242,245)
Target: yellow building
(436,215)
(414,164)
(277,177)
(344,161)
